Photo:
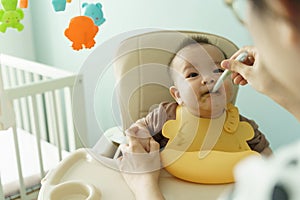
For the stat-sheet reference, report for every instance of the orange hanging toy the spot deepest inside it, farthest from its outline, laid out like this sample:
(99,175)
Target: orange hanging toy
(23,3)
(81,32)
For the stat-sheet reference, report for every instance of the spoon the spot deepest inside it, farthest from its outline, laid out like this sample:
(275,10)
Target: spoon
(241,57)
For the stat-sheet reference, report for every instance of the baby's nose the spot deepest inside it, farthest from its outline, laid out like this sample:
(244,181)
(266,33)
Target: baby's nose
(207,81)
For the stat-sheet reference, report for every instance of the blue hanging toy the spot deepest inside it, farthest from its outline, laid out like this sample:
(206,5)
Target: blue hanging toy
(94,11)
(59,5)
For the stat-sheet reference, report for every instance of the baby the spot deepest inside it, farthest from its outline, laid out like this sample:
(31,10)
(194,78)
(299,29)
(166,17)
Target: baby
(194,70)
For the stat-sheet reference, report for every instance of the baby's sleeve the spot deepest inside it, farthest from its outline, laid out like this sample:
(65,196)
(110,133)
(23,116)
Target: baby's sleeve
(155,120)
(259,142)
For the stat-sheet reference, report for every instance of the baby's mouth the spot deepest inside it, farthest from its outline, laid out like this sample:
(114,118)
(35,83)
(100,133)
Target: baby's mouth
(205,93)
(208,92)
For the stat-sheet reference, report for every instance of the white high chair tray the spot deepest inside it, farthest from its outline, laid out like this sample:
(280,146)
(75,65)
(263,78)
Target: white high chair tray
(80,177)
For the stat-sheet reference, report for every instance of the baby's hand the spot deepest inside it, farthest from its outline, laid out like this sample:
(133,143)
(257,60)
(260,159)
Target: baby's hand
(141,169)
(142,134)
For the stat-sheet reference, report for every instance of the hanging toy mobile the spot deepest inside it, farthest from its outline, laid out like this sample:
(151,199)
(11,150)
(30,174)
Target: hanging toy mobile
(83,29)
(94,11)
(81,32)
(23,3)
(60,5)
(10,16)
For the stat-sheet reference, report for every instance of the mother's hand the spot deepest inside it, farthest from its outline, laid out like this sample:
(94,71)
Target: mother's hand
(252,71)
(140,168)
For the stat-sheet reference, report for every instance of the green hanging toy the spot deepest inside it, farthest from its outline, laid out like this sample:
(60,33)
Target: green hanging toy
(10,16)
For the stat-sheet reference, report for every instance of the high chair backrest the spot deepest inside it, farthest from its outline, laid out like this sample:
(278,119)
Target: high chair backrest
(141,69)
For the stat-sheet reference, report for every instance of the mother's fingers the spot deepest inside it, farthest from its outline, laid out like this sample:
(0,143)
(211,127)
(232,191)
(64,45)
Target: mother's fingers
(139,135)
(249,49)
(135,145)
(242,72)
(136,160)
(238,79)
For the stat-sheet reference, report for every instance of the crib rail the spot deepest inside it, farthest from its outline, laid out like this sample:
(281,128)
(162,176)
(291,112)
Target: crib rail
(42,101)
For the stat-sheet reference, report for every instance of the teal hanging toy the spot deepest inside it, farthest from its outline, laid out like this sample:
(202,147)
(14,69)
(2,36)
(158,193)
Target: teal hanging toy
(59,5)
(94,11)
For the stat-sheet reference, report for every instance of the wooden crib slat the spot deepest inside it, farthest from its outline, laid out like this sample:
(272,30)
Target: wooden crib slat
(71,133)
(4,75)
(61,116)
(20,80)
(29,79)
(49,117)
(11,82)
(55,111)
(21,178)
(37,134)
(41,110)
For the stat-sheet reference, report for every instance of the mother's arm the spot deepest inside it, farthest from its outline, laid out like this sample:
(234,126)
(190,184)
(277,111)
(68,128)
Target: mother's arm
(140,168)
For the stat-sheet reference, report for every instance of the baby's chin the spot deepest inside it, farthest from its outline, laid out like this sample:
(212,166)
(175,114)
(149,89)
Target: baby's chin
(212,108)
(208,111)
(213,99)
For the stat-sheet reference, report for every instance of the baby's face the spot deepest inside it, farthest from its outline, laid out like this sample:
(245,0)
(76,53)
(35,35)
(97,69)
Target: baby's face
(196,68)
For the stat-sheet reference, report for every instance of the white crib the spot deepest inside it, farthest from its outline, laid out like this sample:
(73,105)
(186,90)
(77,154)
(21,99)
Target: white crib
(44,131)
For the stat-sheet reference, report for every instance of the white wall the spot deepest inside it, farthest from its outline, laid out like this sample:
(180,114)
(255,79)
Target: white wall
(12,42)
(53,48)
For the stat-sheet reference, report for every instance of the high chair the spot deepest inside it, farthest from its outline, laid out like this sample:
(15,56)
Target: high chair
(142,82)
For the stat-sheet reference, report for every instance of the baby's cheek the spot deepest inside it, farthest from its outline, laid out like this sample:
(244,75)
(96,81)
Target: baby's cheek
(229,90)
(186,91)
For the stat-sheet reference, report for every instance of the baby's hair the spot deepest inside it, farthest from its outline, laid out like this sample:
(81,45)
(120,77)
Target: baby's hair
(193,40)
(189,41)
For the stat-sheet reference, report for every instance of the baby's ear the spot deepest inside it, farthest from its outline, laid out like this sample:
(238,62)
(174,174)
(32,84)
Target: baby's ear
(175,94)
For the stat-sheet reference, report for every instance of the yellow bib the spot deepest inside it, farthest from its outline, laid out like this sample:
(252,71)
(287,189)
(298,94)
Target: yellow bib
(206,150)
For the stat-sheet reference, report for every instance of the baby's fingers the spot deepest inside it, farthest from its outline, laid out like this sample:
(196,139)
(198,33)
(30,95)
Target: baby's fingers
(154,146)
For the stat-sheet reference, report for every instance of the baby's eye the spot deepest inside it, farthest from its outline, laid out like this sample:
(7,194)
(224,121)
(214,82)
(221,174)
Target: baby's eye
(191,75)
(218,70)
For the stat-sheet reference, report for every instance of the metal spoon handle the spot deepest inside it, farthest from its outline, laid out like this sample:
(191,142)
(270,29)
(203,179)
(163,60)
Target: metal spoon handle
(241,57)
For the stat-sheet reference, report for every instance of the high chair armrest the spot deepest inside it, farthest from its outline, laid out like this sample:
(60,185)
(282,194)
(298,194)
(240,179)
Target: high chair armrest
(108,144)
(115,135)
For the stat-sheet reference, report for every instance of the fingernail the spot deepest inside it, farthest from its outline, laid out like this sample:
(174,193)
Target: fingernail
(225,64)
